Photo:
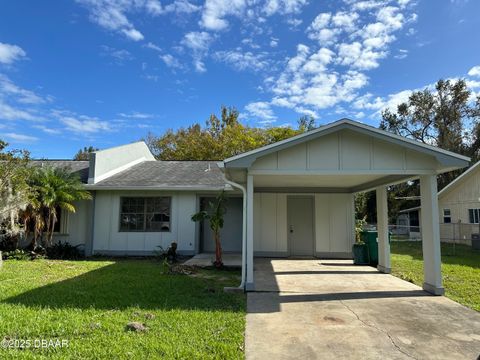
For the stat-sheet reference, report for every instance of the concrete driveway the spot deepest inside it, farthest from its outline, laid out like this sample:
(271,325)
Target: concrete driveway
(330,309)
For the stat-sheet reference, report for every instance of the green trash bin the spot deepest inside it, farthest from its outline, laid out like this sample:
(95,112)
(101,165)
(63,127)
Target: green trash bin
(370,239)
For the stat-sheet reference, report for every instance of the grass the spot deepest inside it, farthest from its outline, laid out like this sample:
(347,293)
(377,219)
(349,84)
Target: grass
(460,269)
(89,304)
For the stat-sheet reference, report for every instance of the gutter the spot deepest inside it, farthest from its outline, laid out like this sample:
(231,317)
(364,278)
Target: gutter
(244,231)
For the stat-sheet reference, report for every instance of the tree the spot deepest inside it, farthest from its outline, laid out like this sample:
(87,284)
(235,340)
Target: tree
(84,154)
(214,214)
(14,190)
(445,117)
(220,138)
(53,189)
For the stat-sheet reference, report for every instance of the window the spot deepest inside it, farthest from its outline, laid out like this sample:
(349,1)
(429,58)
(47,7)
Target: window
(447,216)
(145,214)
(473,215)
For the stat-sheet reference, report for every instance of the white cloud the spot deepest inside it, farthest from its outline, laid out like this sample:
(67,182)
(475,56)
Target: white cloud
(112,14)
(8,112)
(283,6)
(294,22)
(81,124)
(13,92)
(10,53)
(474,71)
(136,115)
(47,130)
(198,43)
(240,60)
(402,54)
(215,11)
(21,138)
(261,110)
(171,61)
(152,46)
(182,7)
(133,34)
(119,55)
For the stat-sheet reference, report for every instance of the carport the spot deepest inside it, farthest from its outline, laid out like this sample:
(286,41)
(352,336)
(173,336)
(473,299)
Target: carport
(299,193)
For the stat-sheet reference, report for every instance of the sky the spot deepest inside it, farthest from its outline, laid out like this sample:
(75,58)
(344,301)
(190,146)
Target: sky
(108,72)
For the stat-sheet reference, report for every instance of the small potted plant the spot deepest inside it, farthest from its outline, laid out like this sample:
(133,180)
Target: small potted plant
(359,248)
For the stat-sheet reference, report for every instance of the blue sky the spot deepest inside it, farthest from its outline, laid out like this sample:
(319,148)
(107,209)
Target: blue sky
(107,72)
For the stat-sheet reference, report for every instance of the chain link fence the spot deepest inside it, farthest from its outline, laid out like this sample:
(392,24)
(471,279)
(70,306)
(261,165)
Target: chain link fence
(458,233)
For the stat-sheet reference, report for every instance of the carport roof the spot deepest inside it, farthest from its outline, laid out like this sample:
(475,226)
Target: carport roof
(444,157)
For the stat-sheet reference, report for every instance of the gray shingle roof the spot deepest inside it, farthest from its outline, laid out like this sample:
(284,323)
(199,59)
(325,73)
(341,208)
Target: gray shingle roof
(79,167)
(167,175)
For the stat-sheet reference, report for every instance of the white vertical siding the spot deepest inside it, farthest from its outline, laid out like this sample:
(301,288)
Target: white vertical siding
(334,227)
(270,223)
(108,238)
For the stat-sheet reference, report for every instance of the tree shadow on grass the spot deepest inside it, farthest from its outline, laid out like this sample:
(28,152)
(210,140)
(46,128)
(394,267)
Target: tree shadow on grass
(451,254)
(137,283)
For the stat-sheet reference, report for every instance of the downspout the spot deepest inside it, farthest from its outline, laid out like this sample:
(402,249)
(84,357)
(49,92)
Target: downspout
(244,230)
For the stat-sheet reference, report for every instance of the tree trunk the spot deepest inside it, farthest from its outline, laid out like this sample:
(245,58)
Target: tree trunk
(218,250)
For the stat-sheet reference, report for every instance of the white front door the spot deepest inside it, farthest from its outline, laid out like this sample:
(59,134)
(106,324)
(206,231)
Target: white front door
(300,225)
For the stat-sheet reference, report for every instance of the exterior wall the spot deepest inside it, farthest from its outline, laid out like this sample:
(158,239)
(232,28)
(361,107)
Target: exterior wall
(459,199)
(346,150)
(334,224)
(231,233)
(76,228)
(109,240)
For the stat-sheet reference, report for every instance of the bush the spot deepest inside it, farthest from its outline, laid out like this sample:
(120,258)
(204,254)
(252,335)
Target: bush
(63,251)
(17,254)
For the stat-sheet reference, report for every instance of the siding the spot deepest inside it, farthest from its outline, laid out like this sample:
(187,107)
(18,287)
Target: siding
(76,227)
(334,224)
(108,238)
(346,151)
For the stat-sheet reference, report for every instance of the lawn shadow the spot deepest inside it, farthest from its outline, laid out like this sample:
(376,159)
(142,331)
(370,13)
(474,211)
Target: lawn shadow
(135,283)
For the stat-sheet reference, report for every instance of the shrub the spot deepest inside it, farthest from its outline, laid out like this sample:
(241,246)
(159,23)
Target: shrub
(17,254)
(64,251)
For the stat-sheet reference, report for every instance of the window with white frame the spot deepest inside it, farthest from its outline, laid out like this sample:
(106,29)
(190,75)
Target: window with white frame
(473,215)
(147,214)
(447,216)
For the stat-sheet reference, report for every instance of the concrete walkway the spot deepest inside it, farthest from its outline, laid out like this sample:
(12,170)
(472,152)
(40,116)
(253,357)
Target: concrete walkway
(330,309)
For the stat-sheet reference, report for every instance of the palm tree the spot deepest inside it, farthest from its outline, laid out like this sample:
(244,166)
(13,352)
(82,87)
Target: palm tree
(214,214)
(54,188)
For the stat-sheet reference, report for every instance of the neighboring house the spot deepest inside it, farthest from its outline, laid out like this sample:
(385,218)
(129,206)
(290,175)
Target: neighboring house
(296,197)
(459,206)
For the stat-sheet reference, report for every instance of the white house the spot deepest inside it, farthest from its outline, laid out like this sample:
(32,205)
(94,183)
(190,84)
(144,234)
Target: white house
(459,207)
(296,197)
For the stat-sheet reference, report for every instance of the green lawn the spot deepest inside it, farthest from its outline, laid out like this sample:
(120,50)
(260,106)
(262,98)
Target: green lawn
(89,304)
(460,269)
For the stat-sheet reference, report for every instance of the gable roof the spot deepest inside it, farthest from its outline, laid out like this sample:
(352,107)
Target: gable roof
(460,179)
(443,156)
(165,175)
(79,167)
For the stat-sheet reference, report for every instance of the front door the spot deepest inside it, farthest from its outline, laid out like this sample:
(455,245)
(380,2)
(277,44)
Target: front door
(300,225)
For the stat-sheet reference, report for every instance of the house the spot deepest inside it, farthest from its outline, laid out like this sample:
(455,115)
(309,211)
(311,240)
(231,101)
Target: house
(459,207)
(291,198)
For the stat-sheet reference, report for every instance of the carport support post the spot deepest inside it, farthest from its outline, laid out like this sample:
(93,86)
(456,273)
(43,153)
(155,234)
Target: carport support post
(382,228)
(430,235)
(249,285)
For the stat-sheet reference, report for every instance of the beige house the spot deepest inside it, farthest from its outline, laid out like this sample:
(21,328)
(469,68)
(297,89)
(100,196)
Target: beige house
(292,198)
(459,207)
